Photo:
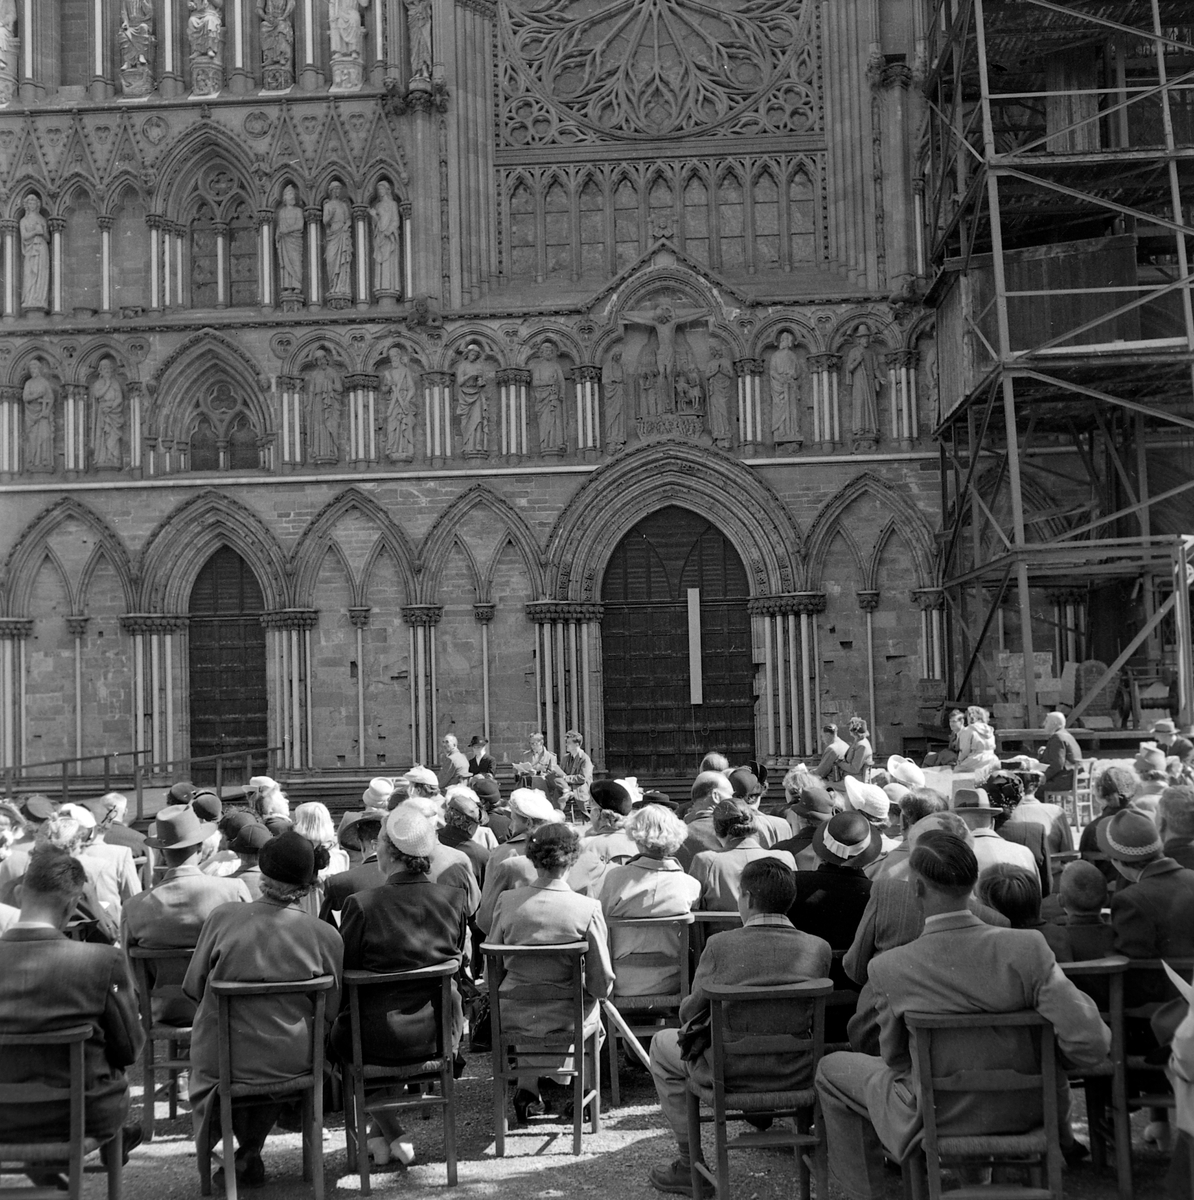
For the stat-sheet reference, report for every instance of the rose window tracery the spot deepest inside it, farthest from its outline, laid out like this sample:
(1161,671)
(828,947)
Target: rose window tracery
(588,70)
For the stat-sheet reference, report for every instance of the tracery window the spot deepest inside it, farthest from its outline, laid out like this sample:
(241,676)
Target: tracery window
(223,437)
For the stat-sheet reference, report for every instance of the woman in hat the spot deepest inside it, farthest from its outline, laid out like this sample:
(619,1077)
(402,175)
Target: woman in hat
(270,940)
(976,742)
(609,807)
(408,922)
(548,911)
(269,802)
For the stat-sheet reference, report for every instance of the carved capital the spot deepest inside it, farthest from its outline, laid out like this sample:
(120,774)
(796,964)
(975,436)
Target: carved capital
(422,614)
(360,616)
(780,605)
(512,375)
(895,75)
(544,612)
(588,373)
(105,221)
(154,622)
(928,599)
(154,220)
(868,601)
(360,212)
(8,226)
(437,378)
(291,618)
(405,209)
(1070,595)
(824,362)
(56,224)
(360,381)
(483,614)
(748,366)
(10,394)
(810,603)
(15,627)
(265,218)
(313,213)
(77,625)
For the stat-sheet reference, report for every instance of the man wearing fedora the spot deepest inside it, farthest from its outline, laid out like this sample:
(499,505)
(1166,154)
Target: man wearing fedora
(171,914)
(480,762)
(974,806)
(810,806)
(1170,741)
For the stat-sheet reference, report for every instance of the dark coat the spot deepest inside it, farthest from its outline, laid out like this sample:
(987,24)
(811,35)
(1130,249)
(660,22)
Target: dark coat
(1036,838)
(1154,918)
(829,904)
(339,887)
(478,855)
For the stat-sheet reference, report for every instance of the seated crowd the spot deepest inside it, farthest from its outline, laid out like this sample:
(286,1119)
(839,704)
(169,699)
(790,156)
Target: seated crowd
(906,899)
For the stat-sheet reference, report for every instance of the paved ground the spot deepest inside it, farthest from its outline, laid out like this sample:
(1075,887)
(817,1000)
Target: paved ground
(538,1163)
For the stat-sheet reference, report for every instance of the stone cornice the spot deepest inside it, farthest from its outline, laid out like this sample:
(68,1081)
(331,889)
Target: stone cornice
(291,618)
(543,612)
(422,614)
(154,622)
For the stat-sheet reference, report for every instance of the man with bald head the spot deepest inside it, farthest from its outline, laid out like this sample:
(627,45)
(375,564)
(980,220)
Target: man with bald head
(708,789)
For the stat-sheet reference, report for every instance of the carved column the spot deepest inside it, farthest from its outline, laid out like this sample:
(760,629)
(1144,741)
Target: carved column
(1069,624)
(57,226)
(827,423)
(288,654)
(361,393)
(360,224)
(237,14)
(77,627)
(265,255)
(901,387)
(483,614)
(154,222)
(314,215)
(14,632)
(222,287)
(788,660)
(588,423)
(10,268)
(564,656)
(136,397)
(422,620)
(437,408)
(513,384)
(360,621)
(290,404)
(750,407)
(931,602)
(808,605)
(34,25)
(105,227)
(868,601)
(408,269)
(10,430)
(159,640)
(74,426)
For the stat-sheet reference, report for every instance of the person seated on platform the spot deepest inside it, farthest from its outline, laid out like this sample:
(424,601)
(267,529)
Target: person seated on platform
(749,787)
(767,951)
(974,806)
(1175,823)
(541,763)
(810,805)
(455,767)
(547,910)
(577,767)
(949,756)
(1088,934)
(609,808)
(110,811)
(170,915)
(719,872)
(266,798)
(110,868)
(1016,893)
(976,742)
(497,811)
(914,806)
(270,940)
(708,790)
(1115,788)
(714,761)
(871,1104)
(364,829)
(480,762)
(247,843)
(650,884)
(48,982)
(408,922)
(1061,754)
(1170,741)
(860,757)
(510,866)
(833,754)
(463,817)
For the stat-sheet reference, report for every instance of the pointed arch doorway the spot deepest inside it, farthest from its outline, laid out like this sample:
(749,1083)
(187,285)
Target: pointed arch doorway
(676,648)
(229,704)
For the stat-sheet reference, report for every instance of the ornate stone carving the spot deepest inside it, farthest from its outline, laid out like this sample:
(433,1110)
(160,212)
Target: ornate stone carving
(15,628)
(10,51)
(422,614)
(472,402)
(811,603)
(542,612)
(868,601)
(665,355)
(205,34)
(684,425)
(386,219)
(107,416)
(347,35)
(40,398)
(721,395)
(277,43)
(613,399)
(359,616)
(547,394)
(291,618)
(783,374)
(288,239)
(928,599)
(483,614)
(135,41)
(35,256)
(864,380)
(337,246)
(400,393)
(76,625)
(324,399)
(154,622)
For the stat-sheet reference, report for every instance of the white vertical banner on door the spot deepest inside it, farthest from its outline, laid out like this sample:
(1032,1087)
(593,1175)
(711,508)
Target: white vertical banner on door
(696,692)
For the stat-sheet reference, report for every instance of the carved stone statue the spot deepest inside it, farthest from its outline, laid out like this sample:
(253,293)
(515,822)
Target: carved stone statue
(35,257)
(347,35)
(398,388)
(613,399)
(722,391)
(547,392)
(107,416)
(9,50)
(135,41)
(665,321)
(39,396)
(472,402)
(325,393)
(205,34)
(418,24)
(337,246)
(289,223)
(783,373)
(863,372)
(387,242)
(277,43)
(690,389)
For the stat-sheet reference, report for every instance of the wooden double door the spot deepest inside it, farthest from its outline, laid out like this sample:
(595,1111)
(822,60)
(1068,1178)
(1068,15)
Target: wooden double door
(651,632)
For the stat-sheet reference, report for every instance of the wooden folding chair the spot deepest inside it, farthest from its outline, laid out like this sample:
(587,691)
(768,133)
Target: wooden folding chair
(175,1036)
(705,924)
(807,1140)
(516,1055)
(65,1154)
(310,1087)
(436,1068)
(1038,1149)
(654,1011)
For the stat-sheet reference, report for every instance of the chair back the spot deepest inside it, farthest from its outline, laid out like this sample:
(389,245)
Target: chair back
(672,936)
(438,981)
(529,994)
(705,924)
(35,1092)
(146,964)
(1102,979)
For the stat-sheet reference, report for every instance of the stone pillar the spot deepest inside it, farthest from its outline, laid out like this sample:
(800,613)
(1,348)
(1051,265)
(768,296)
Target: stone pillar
(901,387)
(307,33)
(10,269)
(931,602)
(237,14)
(105,227)
(159,641)
(827,422)
(588,416)
(288,659)
(483,614)
(34,23)
(437,407)
(77,627)
(223,288)
(422,620)
(808,605)
(408,269)
(868,601)
(513,385)
(154,222)
(1069,624)
(265,255)
(564,633)
(74,427)
(14,632)
(136,397)
(360,225)
(57,227)
(290,404)
(10,430)
(359,617)
(314,215)
(750,407)
(788,662)
(361,393)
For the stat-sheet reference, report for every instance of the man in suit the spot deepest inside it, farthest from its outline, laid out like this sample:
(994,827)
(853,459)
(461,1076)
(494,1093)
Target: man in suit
(171,914)
(110,811)
(366,829)
(708,789)
(958,965)
(768,950)
(1175,823)
(49,982)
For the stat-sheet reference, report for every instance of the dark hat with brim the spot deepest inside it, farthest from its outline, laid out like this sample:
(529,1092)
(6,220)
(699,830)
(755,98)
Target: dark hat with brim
(815,802)
(660,798)
(1129,836)
(178,826)
(478,741)
(207,804)
(847,840)
(288,858)
(250,839)
(610,795)
(745,784)
(488,791)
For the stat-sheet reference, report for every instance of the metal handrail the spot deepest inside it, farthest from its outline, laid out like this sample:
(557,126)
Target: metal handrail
(141,771)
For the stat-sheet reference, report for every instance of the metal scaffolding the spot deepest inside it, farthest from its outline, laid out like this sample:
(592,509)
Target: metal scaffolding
(1055,189)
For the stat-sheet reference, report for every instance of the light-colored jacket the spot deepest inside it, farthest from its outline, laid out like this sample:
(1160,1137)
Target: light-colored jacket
(719,872)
